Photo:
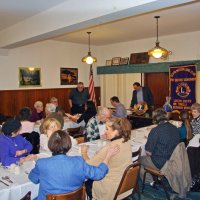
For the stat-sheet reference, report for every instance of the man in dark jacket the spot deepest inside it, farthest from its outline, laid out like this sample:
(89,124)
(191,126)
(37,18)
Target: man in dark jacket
(140,95)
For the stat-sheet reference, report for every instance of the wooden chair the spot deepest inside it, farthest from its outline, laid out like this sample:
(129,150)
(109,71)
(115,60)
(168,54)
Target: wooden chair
(136,154)
(27,196)
(78,194)
(129,181)
(75,132)
(158,177)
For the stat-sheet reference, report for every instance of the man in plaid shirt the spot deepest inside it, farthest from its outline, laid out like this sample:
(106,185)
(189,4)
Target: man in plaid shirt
(92,128)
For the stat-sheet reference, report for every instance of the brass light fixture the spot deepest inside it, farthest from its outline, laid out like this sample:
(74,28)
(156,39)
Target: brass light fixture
(157,51)
(89,59)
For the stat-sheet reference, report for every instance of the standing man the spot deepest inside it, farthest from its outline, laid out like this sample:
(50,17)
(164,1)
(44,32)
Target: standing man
(78,98)
(120,109)
(140,95)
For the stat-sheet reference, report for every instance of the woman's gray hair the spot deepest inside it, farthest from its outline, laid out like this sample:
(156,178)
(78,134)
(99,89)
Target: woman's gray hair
(159,115)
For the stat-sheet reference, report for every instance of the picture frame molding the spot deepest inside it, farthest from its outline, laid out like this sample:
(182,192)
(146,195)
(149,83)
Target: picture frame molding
(27,76)
(116,61)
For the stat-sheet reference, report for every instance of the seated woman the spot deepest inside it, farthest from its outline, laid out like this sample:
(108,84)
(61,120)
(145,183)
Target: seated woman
(118,131)
(185,130)
(195,108)
(37,114)
(13,147)
(61,173)
(27,129)
(90,111)
(49,126)
(27,126)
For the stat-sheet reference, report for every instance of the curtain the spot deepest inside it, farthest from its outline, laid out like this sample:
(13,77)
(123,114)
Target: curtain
(120,85)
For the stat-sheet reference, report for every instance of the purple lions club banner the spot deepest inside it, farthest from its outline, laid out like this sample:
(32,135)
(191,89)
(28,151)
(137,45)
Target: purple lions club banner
(182,80)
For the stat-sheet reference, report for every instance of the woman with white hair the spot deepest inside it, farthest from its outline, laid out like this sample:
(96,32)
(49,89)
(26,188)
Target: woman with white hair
(37,113)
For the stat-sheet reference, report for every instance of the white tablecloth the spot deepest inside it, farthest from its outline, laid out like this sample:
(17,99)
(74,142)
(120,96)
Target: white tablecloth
(67,124)
(22,185)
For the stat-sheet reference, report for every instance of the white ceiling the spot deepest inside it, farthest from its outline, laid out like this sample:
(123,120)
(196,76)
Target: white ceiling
(179,19)
(174,20)
(14,11)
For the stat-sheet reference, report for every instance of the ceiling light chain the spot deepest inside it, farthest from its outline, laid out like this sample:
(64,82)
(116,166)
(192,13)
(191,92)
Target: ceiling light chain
(89,59)
(157,51)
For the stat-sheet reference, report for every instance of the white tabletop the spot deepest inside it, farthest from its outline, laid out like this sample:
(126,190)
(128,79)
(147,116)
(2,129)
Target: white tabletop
(67,124)
(21,184)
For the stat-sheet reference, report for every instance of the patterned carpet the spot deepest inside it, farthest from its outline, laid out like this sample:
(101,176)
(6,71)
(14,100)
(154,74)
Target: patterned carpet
(158,193)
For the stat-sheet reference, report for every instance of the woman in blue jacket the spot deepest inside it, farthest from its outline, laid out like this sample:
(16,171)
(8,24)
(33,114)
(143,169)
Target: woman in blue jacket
(13,147)
(61,173)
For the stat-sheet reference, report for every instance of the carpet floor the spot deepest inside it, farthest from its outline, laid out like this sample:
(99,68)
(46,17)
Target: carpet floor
(157,193)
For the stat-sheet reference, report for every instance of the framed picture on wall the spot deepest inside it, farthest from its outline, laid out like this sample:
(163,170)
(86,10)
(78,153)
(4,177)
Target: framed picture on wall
(124,61)
(116,60)
(29,77)
(139,58)
(108,62)
(68,76)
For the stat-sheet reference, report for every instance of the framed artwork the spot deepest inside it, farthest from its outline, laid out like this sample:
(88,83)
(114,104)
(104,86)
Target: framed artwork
(29,77)
(116,60)
(108,62)
(68,76)
(124,61)
(139,58)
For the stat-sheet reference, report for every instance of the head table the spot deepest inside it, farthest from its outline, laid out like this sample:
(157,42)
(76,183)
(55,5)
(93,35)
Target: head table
(21,184)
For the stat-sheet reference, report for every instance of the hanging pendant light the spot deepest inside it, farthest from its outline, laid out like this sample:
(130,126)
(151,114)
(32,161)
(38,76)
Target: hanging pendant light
(89,59)
(157,51)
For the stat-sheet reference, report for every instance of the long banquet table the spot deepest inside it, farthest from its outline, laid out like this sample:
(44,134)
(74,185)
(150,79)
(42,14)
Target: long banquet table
(21,184)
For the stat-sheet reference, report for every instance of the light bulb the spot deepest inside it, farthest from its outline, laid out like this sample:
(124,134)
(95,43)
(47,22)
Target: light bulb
(89,60)
(157,53)
(31,68)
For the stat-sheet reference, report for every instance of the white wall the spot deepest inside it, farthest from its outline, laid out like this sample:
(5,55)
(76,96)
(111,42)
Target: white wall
(183,46)
(50,56)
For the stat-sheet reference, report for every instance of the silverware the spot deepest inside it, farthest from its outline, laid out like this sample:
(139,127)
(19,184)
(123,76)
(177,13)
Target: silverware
(4,183)
(7,178)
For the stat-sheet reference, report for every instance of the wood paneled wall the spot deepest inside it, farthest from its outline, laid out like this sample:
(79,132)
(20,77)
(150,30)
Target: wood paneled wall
(13,100)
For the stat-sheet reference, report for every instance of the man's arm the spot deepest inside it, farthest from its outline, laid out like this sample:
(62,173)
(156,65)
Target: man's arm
(134,99)
(150,96)
(70,103)
(70,98)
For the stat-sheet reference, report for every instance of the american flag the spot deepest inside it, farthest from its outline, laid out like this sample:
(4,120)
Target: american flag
(91,86)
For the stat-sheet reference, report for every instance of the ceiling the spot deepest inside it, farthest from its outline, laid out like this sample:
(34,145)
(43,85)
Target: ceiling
(174,20)
(12,12)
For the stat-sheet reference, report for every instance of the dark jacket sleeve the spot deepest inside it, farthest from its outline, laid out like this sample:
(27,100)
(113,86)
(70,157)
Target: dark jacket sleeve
(147,95)
(134,99)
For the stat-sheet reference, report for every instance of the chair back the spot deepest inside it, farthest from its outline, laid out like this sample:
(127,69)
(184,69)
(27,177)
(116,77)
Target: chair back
(75,132)
(27,196)
(129,179)
(78,194)
(136,155)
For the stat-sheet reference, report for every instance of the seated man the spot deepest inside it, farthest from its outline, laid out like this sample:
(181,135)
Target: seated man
(161,142)
(92,128)
(120,109)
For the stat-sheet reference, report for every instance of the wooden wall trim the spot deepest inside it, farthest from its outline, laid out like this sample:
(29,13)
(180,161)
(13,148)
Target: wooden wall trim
(13,100)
